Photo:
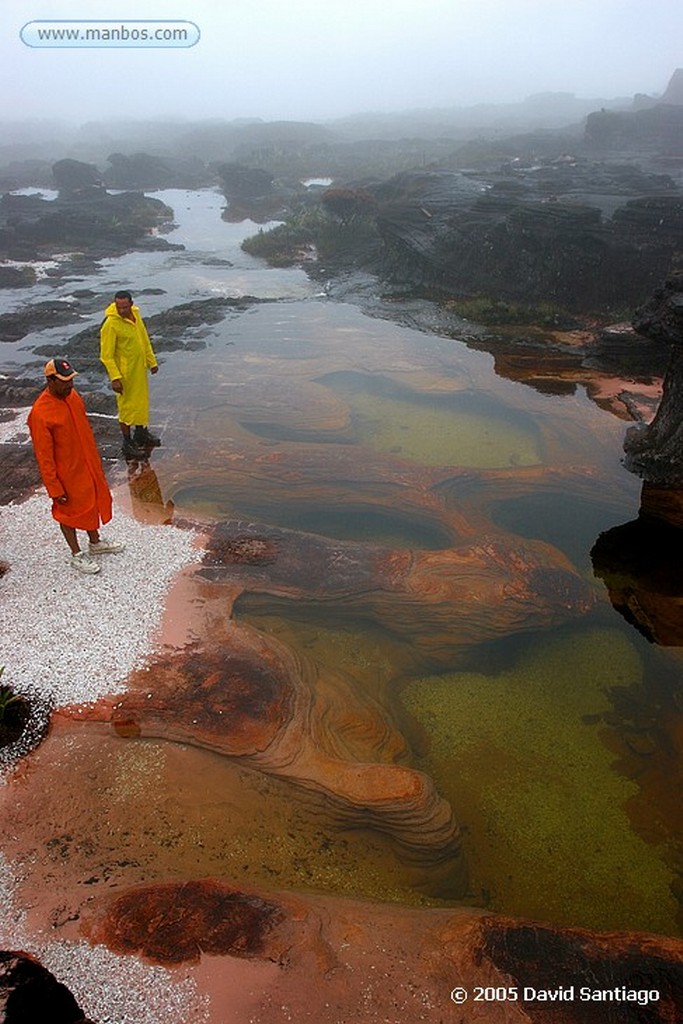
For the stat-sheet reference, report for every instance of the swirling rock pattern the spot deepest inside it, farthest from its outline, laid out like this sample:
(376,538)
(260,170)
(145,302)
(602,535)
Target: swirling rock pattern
(442,601)
(253,699)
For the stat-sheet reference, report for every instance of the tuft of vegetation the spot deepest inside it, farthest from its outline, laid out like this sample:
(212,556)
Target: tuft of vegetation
(7,698)
(312,233)
(484,309)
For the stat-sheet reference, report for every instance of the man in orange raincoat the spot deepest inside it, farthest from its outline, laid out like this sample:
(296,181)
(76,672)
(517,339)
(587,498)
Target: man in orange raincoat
(127,354)
(70,465)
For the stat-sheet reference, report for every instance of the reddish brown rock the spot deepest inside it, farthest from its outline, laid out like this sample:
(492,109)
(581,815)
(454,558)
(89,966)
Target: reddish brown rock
(170,923)
(254,699)
(227,701)
(439,601)
(341,960)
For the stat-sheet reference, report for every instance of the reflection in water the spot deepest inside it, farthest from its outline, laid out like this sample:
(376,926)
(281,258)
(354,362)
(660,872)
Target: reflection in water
(147,503)
(566,520)
(640,563)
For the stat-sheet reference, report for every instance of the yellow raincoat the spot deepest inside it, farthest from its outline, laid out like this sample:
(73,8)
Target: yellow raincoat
(127,354)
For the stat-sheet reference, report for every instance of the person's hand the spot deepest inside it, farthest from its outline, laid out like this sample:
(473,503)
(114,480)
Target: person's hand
(154,369)
(117,385)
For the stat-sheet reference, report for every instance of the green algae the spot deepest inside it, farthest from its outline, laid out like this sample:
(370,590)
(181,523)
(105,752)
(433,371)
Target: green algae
(437,434)
(521,759)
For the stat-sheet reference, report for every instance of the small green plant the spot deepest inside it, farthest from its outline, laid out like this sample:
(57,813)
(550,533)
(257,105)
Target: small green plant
(7,697)
(488,310)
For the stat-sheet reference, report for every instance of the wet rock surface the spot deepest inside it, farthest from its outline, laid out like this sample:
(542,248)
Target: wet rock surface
(14,326)
(539,241)
(283,715)
(17,277)
(374,960)
(177,328)
(174,924)
(656,451)
(224,700)
(90,220)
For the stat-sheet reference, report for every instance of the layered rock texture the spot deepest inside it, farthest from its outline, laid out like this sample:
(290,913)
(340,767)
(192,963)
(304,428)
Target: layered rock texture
(535,236)
(656,452)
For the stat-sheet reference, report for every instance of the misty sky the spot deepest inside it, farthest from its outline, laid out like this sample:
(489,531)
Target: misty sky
(306,60)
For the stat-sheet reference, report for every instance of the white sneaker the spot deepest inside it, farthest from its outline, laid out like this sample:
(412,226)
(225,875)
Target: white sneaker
(106,547)
(82,563)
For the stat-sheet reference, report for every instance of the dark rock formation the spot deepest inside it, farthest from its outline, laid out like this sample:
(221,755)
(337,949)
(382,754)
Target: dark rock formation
(173,329)
(528,240)
(74,175)
(30,994)
(91,220)
(674,90)
(605,966)
(17,277)
(640,564)
(239,182)
(40,315)
(144,171)
(255,194)
(26,173)
(14,709)
(656,452)
(654,130)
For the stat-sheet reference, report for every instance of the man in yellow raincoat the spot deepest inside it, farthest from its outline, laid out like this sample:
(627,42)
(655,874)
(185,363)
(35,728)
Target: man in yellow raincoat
(127,354)
(70,465)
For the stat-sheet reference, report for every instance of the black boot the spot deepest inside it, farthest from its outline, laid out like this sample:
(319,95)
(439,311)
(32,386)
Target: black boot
(143,439)
(131,452)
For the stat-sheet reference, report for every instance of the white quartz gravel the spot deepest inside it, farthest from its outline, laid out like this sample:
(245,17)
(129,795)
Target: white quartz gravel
(13,428)
(69,637)
(110,989)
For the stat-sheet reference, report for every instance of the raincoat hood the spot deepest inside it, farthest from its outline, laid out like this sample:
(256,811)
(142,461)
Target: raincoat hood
(111,310)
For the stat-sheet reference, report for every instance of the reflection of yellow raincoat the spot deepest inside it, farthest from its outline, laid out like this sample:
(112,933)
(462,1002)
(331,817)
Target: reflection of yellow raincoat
(127,354)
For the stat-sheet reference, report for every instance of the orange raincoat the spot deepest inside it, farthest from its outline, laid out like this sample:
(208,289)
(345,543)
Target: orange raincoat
(127,354)
(69,461)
